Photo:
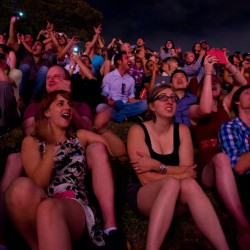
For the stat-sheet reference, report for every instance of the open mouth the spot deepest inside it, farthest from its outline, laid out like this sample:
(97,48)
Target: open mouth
(66,116)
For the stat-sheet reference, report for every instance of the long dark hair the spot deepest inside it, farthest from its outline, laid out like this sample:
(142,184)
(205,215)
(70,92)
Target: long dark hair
(41,121)
(165,47)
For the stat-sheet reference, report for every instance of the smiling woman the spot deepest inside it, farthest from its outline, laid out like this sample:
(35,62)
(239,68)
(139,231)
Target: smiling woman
(54,202)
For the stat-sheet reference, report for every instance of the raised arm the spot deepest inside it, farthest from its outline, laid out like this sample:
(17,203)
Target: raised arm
(74,40)
(238,81)
(85,70)
(204,108)
(98,31)
(12,40)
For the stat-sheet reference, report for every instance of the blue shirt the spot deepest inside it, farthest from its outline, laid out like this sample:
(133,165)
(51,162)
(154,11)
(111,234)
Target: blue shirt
(117,87)
(182,109)
(234,139)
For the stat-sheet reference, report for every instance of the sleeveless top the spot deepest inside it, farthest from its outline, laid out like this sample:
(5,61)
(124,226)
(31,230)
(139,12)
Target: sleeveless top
(68,177)
(169,159)
(206,136)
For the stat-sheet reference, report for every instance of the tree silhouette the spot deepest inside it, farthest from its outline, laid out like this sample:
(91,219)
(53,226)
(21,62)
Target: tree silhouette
(74,17)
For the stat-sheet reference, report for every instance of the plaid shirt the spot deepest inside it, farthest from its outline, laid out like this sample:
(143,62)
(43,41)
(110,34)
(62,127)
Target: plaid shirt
(234,139)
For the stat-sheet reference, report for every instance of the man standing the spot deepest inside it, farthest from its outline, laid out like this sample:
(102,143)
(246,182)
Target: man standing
(118,91)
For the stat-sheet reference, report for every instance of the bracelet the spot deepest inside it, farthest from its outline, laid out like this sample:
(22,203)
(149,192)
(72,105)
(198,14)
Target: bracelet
(163,168)
(208,74)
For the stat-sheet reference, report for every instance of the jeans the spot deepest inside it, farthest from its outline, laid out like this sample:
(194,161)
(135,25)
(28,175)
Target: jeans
(124,110)
(33,89)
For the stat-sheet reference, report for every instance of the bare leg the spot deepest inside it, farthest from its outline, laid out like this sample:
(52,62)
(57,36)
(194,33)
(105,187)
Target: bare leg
(203,213)
(22,200)
(13,169)
(102,181)
(59,221)
(101,126)
(157,200)
(220,169)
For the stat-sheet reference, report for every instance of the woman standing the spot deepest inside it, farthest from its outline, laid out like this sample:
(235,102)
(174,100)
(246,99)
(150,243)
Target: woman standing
(161,153)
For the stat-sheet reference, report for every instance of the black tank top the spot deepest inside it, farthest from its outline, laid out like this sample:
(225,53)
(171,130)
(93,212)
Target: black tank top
(168,159)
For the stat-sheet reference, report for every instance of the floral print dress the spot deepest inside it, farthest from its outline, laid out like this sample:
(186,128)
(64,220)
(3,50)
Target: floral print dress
(67,181)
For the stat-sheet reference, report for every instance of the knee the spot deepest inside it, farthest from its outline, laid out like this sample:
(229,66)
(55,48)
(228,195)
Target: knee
(48,211)
(190,187)
(171,184)
(95,149)
(24,68)
(13,170)
(14,159)
(222,162)
(20,193)
(43,70)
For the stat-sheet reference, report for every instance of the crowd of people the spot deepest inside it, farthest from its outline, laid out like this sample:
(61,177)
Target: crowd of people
(64,99)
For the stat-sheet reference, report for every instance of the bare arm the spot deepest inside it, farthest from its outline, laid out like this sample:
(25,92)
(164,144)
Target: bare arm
(243,163)
(140,157)
(98,31)
(64,50)
(238,81)
(12,40)
(86,137)
(204,108)
(38,167)
(12,59)
(86,71)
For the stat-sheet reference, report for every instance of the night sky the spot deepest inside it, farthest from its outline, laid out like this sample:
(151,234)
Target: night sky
(222,23)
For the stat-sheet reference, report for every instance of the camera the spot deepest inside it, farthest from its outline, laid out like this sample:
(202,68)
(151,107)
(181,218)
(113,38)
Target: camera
(17,14)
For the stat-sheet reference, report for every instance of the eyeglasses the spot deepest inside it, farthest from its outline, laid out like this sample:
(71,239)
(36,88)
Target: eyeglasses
(164,98)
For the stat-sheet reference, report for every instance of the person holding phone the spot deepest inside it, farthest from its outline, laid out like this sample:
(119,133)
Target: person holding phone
(214,168)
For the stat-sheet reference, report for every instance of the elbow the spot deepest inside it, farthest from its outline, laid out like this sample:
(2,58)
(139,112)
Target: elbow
(205,112)
(239,170)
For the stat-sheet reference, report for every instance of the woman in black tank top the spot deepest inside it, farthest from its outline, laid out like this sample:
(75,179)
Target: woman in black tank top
(161,154)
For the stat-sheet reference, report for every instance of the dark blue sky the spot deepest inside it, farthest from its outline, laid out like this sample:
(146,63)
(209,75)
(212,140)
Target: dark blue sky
(223,23)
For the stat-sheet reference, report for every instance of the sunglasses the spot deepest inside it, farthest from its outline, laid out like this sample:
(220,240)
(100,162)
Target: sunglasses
(165,98)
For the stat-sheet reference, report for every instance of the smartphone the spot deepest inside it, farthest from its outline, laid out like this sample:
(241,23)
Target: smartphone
(219,54)
(75,50)
(17,14)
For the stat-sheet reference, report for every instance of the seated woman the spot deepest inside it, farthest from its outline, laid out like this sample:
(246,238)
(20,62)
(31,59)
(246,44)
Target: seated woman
(50,206)
(161,153)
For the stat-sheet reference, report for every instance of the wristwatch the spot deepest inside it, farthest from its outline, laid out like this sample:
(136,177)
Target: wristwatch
(163,169)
